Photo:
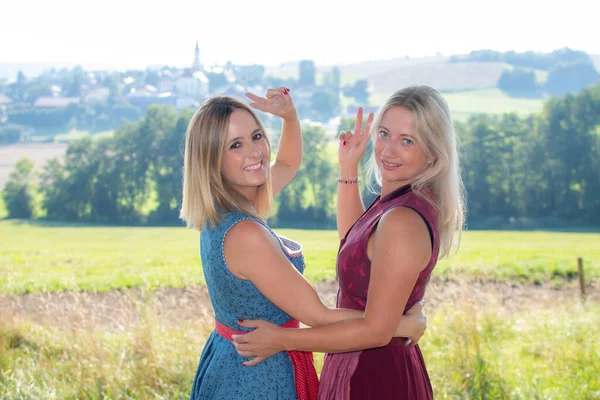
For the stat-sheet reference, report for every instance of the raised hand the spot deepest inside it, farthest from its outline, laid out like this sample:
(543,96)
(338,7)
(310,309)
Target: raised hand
(277,102)
(352,145)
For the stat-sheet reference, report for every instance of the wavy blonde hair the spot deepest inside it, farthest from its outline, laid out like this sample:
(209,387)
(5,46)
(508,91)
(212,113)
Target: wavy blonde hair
(435,132)
(206,195)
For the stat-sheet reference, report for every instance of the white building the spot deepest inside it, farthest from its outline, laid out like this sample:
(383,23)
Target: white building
(192,84)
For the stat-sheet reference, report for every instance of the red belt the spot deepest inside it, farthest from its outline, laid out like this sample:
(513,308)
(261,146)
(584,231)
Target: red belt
(305,375)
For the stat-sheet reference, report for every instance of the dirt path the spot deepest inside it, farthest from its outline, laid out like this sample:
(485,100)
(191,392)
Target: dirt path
(122,309)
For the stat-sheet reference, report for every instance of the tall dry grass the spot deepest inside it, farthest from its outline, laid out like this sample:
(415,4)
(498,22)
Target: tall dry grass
(471,353)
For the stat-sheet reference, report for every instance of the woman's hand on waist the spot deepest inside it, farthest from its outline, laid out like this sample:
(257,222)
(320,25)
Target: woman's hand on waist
(262,343)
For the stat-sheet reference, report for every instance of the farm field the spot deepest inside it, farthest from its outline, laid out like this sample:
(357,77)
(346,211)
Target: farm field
(122,312)
(39,152)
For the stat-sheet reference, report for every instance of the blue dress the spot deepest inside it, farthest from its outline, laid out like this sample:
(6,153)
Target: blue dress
(220,374)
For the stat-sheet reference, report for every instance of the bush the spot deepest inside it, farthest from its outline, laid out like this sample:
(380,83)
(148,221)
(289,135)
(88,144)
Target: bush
(12,134)
(20,193)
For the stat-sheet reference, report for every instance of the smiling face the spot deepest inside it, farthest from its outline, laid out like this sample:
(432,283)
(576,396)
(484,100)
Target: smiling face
(246,156)
(398,154)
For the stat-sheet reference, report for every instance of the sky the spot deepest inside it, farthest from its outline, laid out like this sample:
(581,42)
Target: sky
(136,34)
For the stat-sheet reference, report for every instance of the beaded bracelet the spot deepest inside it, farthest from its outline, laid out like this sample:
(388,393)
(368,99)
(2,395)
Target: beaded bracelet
(352,181)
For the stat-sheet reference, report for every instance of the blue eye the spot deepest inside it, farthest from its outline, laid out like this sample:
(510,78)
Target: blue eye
(383,133)
(407,141)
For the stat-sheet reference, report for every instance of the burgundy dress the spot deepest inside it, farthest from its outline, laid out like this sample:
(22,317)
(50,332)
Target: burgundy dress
(394,371)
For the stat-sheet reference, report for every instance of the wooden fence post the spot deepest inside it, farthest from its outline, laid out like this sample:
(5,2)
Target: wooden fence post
(581,278)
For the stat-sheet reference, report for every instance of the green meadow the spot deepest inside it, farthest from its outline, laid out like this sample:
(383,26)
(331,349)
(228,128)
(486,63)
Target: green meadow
(38,257)
(465,103)
(472,351)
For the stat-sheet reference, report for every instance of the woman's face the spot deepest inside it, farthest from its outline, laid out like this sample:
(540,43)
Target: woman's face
(399,156)
(246,156)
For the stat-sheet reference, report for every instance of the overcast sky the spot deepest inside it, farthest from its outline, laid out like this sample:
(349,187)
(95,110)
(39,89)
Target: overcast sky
(135,34)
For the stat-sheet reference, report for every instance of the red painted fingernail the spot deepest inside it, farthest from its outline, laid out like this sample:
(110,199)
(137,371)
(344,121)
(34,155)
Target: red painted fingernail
(286,91)
(240,320)
(344,143)
(244,365)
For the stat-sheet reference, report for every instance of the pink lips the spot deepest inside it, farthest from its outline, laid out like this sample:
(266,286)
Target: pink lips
(388,167)
(255,170)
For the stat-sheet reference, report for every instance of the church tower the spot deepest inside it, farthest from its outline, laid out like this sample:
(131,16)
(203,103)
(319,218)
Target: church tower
(196,66)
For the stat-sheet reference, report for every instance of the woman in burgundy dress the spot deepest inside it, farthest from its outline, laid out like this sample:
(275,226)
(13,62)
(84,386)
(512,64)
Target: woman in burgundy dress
(387,252)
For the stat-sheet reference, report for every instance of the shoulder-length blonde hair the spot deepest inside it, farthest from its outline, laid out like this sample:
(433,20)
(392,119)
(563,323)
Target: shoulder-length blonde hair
(206,195)
(435,132)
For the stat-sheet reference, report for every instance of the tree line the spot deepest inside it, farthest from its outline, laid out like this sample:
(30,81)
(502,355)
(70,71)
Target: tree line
(542,167)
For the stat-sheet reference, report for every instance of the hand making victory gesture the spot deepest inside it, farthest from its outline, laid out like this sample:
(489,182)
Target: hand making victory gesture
(352,145)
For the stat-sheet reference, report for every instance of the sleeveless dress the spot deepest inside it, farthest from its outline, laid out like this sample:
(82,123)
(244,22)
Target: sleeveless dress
(394,371)
(220,373)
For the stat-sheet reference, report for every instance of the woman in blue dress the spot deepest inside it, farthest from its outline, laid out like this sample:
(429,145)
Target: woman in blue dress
(229,182)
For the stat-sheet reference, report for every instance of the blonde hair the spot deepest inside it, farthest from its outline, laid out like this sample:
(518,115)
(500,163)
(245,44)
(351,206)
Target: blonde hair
(206,195)
(435,132)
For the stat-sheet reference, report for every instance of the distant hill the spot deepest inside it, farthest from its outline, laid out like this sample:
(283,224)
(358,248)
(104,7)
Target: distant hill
(442,75)
(439,72)
(469,86)
(9,70)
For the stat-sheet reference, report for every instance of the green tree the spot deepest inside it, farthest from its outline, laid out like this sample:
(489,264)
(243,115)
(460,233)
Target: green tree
(308,200)
(571,78)
(55,191)
(308,73)
(167,171)
(34,92)
(152,78)
(216,81)
(20,192)
(336,77)
(12,134)
(249,75)
(359,91)
(325,104)
(18,89)
(518,83)
(72,86)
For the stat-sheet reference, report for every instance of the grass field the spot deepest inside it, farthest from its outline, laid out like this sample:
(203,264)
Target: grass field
(470,354)
(464,104)
(473,350)
(49,257)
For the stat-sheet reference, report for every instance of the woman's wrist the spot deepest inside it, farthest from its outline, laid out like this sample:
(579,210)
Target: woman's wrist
(283,340)
(348,172)
(292,118)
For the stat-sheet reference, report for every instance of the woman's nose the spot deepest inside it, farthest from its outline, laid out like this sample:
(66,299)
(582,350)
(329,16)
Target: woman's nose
(390,148)
(255,151)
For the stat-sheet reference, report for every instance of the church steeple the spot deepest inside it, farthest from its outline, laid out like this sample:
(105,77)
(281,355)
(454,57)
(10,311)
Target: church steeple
(196,66)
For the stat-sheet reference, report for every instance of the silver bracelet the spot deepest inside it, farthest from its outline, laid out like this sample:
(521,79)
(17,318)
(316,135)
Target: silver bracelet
(350,181)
